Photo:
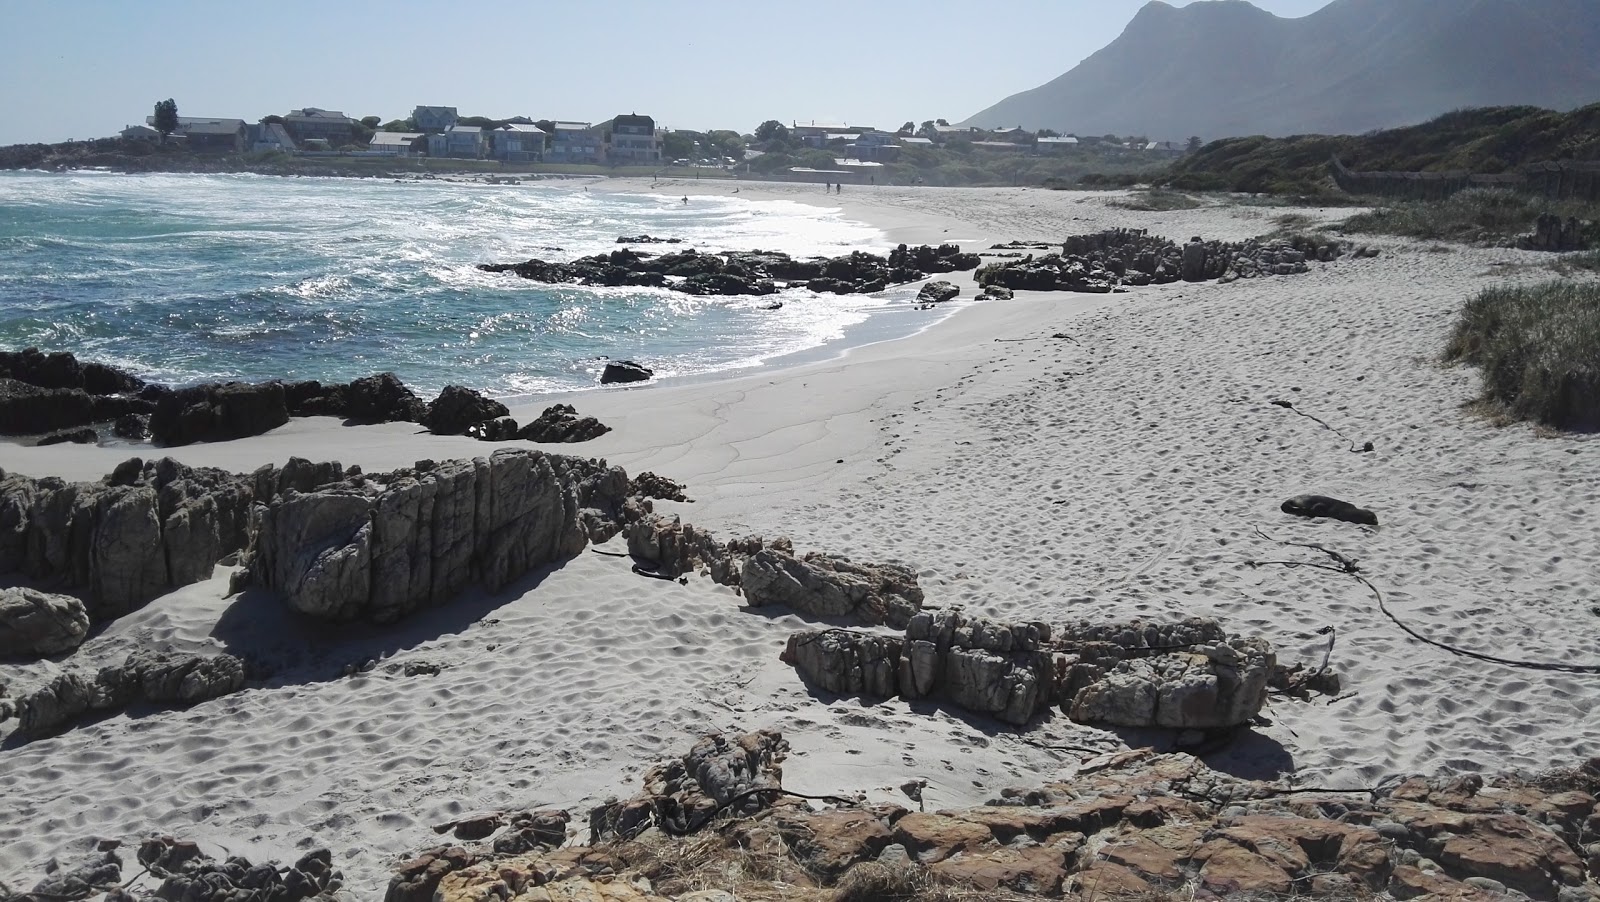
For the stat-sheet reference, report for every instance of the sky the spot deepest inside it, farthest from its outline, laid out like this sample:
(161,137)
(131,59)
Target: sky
(73,69)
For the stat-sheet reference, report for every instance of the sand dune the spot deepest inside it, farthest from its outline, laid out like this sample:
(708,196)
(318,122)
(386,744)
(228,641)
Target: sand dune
(1122,471)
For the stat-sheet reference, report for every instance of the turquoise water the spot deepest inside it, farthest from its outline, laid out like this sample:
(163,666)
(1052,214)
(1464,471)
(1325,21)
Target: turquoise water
(189,278)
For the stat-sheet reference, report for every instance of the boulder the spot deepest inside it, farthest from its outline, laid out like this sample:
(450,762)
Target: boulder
(500,429)
(381,547)
(382,398)
(34,624)
(620,371)
(561,423)
(937,292)
(822,585)
(719,774)
(144,677)
(79,877)
(62,370)
(1212,687)
(134,427)
(457,408)
(218,413)
(30,410)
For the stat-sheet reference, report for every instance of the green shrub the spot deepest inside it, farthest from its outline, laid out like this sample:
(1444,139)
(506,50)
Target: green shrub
(1157,200)
(1476,214)
(1539,351)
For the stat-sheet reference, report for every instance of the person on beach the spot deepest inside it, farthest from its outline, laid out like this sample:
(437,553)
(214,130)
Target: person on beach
(686,200)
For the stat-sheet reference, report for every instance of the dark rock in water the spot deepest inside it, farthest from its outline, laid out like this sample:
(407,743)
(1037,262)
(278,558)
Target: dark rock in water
(382,399)
(1323,506)
(500,429)
(218,413)
(62,370)
(131,426)
(457,408)
(996,292)
(625,371)
(561,423)
(82,435)
(727,284)
(937,292)
(647,239)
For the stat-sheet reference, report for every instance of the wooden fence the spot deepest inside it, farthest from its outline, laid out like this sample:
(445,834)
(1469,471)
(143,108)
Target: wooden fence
(1568,180)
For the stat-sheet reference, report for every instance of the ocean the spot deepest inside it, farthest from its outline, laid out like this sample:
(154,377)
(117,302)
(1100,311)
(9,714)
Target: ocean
(185,278)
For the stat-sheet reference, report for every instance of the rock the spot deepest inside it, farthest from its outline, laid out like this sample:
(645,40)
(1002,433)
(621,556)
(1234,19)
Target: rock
(823,585)
(719,774)
(829,842)
(996,292)
(144,676)
(1323,506)
(935,837)
(625,371)
(62,370)
(649,485)
(218,413)
(561,423)
(379,548)
(34,624)
(647,239)
(189,874)
(83,435)
(1184,690)
(131,426)
(500,429)
(457,408)
(80,877)
(382,398)
(29,410)
(418,879)
(529,830)
(937,292)
(1194,261)
(1037,870)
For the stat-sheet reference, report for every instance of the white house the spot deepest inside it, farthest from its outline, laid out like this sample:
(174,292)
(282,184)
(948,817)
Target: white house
(399,144)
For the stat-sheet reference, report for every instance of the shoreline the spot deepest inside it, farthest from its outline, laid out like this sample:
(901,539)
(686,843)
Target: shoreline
(1119,473)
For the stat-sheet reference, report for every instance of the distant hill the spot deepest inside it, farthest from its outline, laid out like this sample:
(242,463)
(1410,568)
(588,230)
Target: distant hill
(1222,68)
(1488,140)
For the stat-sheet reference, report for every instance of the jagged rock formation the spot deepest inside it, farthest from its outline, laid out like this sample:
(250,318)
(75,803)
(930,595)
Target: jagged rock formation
(1111,260)
(83,435)
(380,547)
(747,272)
(457,408)
(649,485)
(937,292)
(719,774)
(218,412)
(187,874)
(1188,675)
(34,624)
(820,585)
(27,409)
(143,677)
(622,371)
(381,398)
(78,876)
(1129,823)
(560,423)
(143,530)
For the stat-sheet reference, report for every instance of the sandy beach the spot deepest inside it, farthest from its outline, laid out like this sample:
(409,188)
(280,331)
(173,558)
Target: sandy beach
(1132,468)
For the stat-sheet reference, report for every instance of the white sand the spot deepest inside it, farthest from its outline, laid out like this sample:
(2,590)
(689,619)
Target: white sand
(1121,473)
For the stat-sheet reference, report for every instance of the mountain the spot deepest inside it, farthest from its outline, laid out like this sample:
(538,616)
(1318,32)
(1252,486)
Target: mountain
(1219,68)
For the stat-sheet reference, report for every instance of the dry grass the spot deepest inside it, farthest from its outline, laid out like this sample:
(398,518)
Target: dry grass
(1538,348)
(1487,215)
(1157,200)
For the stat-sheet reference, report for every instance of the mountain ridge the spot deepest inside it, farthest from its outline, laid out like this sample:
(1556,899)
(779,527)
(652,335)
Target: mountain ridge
(1220,68)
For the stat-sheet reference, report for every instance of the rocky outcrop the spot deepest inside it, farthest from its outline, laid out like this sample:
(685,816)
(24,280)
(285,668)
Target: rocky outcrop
(78,876)
(1187,675)
(1127,823)
(83,435)
(937,292)
(625,371)
(134,427)
(218,412)
(145,529)
(62,370)
(188,874)
(31,410)
(380,547)
(381,398)
(166,679)
(747,272)
(1119,258)
(34,624)
(831,586)
(720,774)
(650,485)
(458,408)
(560,423)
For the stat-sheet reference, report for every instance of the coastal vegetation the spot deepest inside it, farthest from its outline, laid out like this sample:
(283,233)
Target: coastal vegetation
(1538,348)
(1485,140)
(1479,215)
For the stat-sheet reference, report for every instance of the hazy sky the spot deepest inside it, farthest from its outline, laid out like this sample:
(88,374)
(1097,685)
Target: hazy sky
(79,69)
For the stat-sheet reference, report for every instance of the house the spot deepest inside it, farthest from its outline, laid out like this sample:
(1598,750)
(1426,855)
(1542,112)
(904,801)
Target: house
(943,133)
(876,146)
(313,123)
(1014,134)
(999,146)
(815,134)
(633,139)
(916,142)
(465,142)
(575,142)
(209,135)
(517,143)
(1055,145)
(140,133)
(398,144)
(434,118)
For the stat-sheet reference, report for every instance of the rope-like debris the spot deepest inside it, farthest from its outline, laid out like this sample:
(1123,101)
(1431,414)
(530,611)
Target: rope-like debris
(1349,567)
(1354,448)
